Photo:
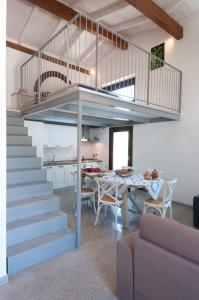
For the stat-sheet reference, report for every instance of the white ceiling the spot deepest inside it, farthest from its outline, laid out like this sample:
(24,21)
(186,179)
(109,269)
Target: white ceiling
(33,26)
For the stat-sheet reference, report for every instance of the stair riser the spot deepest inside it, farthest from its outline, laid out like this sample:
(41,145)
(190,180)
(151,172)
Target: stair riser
(32,209)
(20,151)
(15,130)
(23,163)
(34,230)
(25,192)
(19,140)
(26,176)
(40,254)
(14,121)
(11,113)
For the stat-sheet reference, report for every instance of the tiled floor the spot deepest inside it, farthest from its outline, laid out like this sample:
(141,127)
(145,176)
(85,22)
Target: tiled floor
(87,273)
(181,213)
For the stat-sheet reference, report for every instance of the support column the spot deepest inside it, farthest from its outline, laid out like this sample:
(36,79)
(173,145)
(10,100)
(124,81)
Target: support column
(3,271)
(79,155)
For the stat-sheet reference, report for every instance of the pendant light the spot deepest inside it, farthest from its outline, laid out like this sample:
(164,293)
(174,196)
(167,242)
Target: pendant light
(83,139)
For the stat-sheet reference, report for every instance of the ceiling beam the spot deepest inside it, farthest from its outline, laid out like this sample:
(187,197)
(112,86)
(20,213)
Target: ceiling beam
(46,57)
(109,9)
(67,13)
(130,23)
(158,16)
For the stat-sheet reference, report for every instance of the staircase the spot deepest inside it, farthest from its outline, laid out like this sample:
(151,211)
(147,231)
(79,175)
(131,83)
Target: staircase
(36,228)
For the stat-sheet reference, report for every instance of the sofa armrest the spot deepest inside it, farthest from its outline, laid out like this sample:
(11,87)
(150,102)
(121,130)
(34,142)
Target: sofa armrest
(125,250)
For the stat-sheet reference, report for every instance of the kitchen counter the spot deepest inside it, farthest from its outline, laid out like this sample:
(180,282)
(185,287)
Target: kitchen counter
(69,162)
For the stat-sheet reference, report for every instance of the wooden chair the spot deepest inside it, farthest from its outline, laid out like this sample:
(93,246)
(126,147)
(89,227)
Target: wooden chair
(164,202)
(108,196)
(87,193)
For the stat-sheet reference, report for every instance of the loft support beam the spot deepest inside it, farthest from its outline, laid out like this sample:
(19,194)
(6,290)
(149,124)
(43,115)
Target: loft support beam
(47,57)
(158,16)
(67,13)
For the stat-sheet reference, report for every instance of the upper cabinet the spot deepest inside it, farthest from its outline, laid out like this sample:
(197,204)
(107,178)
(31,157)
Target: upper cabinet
(59,136)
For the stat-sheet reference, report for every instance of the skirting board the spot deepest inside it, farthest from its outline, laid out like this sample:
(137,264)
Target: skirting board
(4,280)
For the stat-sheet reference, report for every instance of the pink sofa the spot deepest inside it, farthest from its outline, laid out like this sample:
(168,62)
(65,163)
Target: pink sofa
(159,262)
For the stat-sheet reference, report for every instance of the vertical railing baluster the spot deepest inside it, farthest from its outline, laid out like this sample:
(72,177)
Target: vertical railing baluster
(38,75)
(96,56)
(148,78)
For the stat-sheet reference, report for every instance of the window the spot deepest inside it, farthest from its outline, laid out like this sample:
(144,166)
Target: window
(124,86)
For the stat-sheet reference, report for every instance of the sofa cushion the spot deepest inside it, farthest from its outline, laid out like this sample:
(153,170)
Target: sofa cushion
(177,238)
(125,251)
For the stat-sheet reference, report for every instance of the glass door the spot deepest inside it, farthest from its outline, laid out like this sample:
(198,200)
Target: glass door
(120,147)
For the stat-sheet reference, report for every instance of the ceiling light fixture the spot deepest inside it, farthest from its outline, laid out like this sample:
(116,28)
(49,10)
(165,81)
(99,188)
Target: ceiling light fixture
(83,139)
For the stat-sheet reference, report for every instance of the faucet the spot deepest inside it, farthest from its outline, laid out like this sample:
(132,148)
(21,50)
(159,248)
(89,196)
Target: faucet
(53,158)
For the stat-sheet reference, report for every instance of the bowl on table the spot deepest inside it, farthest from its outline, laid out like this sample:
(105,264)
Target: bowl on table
(124,172)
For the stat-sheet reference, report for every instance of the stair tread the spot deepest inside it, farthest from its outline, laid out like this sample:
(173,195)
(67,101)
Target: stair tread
(10,156)
(31,200)
(25,170)
(21,170)
(34,219)
(34,243)
(35,183)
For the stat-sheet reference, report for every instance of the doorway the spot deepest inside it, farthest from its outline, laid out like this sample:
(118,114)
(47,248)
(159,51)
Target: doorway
(120,147)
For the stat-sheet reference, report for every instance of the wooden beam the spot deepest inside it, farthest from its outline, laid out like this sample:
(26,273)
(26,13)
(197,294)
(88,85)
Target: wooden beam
(47,57)
(67,13)
(158,16)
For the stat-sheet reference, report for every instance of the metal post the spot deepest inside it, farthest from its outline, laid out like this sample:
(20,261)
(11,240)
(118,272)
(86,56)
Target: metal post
(21,84)
(39,75)
(79,155)
(67,54)
(96,58)
(180,93)
(148,78)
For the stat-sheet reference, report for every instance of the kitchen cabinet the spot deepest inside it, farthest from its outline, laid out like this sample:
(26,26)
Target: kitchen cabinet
(49,170)
(53,135)
(61,176)
(70,169)
(59,136)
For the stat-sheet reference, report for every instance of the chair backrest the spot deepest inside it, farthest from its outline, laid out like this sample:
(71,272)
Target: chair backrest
(107,187)
(169,186)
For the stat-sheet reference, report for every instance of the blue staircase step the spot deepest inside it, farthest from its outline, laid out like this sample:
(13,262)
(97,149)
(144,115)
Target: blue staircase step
(18,130)
(21,151)
(25,176)
(23,163)
(24,191)
(38,250)
(13,113)
(17,210)
(23,140)
(33,227)
(15,121)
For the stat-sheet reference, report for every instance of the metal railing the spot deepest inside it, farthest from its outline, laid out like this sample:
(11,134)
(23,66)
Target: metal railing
(88,53)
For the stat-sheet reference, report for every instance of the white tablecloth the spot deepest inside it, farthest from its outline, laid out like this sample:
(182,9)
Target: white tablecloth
(153,187)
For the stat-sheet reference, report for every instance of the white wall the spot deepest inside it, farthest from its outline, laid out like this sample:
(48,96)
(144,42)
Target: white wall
(13,61)
(3,275)
(174,146)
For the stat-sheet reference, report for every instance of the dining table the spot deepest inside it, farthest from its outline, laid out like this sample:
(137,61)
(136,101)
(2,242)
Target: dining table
(130,188)
(134,188)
